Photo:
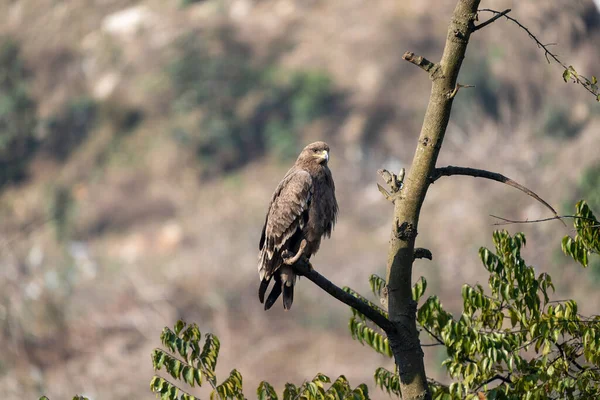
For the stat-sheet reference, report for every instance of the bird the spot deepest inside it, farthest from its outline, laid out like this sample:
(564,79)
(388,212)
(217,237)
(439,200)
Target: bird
(302,210)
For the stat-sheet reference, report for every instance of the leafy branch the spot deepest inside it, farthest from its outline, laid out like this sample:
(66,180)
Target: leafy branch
(587,239)
(548,349)
(185,360)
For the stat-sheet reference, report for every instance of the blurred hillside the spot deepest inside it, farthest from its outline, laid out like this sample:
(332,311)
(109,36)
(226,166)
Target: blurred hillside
(140,142)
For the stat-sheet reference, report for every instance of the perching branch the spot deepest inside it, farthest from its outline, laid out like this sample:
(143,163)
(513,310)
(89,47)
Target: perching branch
(480,173)
(303,268)
(489,21)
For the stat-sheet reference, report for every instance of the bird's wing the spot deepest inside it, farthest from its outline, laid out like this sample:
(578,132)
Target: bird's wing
(287,213)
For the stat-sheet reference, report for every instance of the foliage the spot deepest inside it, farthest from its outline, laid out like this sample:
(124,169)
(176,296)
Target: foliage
(74,398)
(18,118)
(589,186)
(184,359)
(246,109)
(511,341)
(587,239)
(590,84)
(361,331)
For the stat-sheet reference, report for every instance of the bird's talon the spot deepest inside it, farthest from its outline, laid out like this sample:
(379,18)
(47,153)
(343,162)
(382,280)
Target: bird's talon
(288,260)
(286,254)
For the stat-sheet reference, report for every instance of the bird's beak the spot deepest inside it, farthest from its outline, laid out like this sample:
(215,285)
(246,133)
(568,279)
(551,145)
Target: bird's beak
(325,155)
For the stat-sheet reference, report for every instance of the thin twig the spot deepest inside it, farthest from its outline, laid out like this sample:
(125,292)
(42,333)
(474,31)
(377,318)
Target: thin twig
(506,221)
(180,390)
(480,173)
(304,269)
(489,21)
(565,355)
(438,383)
(496,377)
(208,377)
(547,53)
(437,338)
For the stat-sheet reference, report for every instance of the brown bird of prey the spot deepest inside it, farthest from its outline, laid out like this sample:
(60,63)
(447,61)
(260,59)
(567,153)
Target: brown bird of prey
(302,210)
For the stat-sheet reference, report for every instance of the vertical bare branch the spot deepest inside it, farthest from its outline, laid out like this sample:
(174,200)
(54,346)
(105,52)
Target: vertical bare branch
(402,309)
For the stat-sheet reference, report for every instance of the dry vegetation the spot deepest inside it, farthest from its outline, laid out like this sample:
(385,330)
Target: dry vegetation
(163,128)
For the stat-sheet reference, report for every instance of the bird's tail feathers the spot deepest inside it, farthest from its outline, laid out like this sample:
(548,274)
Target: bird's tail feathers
(262,289)
(288,296)
(285,279)
(288,280)
(274,295)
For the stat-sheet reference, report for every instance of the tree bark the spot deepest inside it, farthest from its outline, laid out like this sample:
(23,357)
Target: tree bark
(405,344)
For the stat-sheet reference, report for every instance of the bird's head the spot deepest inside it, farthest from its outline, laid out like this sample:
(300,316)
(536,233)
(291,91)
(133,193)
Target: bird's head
(315,152)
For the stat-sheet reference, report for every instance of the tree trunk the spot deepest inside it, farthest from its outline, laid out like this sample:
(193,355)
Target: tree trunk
(405,344)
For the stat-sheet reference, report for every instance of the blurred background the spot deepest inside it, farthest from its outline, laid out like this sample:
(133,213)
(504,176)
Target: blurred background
(140,142)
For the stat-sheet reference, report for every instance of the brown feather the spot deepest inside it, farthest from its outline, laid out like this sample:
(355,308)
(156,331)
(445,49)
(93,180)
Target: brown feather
(303,206)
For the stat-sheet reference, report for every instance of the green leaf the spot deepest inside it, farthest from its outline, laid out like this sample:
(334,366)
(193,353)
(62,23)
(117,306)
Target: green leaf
(366,335)
(175,369)
(371,304)
(188,375)
(197,376)
(377,284)
(231,388)
(387,381)
(266,392)
(179,325)
(514,318)
(290,392)
(419,288)
(158,359)
(210,352)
